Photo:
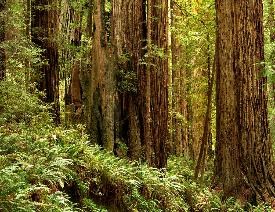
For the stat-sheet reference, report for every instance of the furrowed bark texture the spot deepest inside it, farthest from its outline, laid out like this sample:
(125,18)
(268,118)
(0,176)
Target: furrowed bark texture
(101,117)
(44,28)
(128,38)
(142,102)
(243,152)
(158,73)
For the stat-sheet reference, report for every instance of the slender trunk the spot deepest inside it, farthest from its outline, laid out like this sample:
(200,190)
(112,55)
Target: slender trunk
(28,36)
(190,114)
(207,122)
(179,105)
(147,119)
(170,145)
(2,39)
(28,19)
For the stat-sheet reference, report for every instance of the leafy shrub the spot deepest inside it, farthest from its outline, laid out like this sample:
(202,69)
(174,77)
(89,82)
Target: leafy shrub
(18,105)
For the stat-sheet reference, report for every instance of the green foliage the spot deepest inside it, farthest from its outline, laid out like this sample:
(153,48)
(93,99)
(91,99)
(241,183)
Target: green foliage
(193,32)
(108,6)
(38,162)
(89,205)
(127,81)
(155,52)
(17,105)
(49,168)
(31,165)
(125,77)
(269,67)
(18,47)
(41,164)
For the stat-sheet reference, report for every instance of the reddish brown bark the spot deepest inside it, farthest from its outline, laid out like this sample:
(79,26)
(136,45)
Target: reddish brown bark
(44,28)
(158,79)
(101,99)
(128,42)
(179,104)
(243,152)
(75,89)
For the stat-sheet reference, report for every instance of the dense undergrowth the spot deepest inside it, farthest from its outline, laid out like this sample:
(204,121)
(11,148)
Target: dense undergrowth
(49,168)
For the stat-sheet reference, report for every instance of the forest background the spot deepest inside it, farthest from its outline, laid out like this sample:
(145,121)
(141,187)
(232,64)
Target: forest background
(137,105)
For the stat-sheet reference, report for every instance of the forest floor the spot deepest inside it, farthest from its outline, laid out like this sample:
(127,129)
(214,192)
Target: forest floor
(49,168)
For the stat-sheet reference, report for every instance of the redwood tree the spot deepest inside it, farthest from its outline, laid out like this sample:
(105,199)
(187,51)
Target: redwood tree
(128,41)
(2,38)
(44,27)
(75,91)
(179,104)
(143,99)
(243,152)
(101,99)
(156,93)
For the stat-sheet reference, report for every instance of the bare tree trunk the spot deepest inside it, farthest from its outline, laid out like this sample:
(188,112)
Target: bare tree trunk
(190,114)
(182,87)
(2,39)
(243,152)
(75,89)
(177,126)
(102,83)
(44,29)
(28,22)
(207,122)
(28,18)
(146,91)
(128,41)
(158,37)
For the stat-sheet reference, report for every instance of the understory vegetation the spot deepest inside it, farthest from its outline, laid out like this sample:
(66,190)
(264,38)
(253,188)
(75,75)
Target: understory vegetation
(49,168)
(137,105)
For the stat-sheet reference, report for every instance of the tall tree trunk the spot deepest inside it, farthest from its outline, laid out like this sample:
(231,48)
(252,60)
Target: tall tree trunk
(190,114)
(128,41)
(158,79)
(102,83)
(75,89)
(44,29)
(207,121)
(145,90)
(179,104)
(28,20)
(243,152)
(2,39)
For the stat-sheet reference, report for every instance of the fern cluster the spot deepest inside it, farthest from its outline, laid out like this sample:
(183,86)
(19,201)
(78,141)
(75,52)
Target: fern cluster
(49,168)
